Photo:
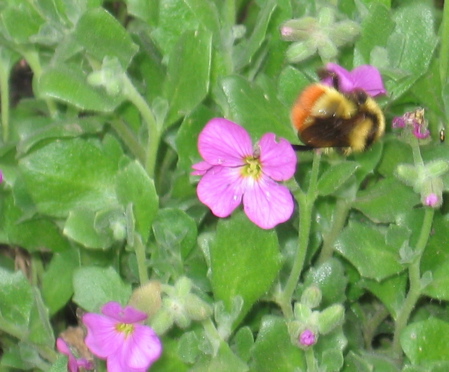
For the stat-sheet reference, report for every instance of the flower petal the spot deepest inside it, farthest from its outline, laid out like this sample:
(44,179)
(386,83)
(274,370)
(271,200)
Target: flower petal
(221,189)
(113,310)
(368,78)
(267,203)
(102,337)
(345,80)
(62,347)
(143,347)
(200,168)
(223,142)
(126,314)
(116,364)
(277,157)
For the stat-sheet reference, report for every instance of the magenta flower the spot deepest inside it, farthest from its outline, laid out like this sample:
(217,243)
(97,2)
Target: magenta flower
(432,200)
(307,338)
(118,337)
(365,77)
(234,171)
(414,122)
(74,363)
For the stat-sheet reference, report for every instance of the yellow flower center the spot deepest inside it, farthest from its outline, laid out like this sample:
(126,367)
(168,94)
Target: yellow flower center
(252,168)
(125,328)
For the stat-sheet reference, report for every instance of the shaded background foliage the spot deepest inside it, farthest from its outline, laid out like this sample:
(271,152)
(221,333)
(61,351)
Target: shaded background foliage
(97,195)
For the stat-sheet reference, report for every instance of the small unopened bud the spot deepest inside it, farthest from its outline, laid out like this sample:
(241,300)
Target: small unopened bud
(330,318)
(298,52)
(196,308)
(307,338)
(311,297)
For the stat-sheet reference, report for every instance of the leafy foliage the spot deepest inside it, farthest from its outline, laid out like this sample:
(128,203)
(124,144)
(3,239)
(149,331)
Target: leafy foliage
(97,202)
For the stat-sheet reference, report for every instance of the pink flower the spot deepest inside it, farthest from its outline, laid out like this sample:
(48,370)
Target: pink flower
(74,363)
(307,338)
(413,121)
(432,200)
(234,171)
(365,77)
(118,337)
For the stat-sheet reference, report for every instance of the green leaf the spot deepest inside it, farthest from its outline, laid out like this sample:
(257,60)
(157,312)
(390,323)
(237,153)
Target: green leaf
(30,234)
(68,83)
(366,249)
(426,341)
(224,361)
(412,45)
(65,175)
(390,291)
(187,137)
(134,186)
(40,329)
(188,73)
(66,128)
(60,365)
(331,280)
(101,35)
(248,105)
(243,342)
(143,9)
(16,300)
(206,14)
(291,83)
(175,231)
(435,258)
(96,286)
(334,177)
(386,201)
(245,50)
(368,362)
(82,226)
(377,27)
(169,27)
(57,280)
(273,350)
(21,22)
(234,269)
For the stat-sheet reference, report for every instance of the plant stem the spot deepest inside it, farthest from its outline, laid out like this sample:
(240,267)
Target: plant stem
(310,360)
(4,93)
(415,281)
(128,137)
(212,334)
(154,132)
(139,249)
(305,202)
(340,215)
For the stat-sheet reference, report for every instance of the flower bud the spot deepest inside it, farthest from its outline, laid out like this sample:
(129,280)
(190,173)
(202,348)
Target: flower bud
(409,174)
(307,338)
(196,308)
(437,168)
(298,29)
(177,311)
(311,297)
(326,16)
(302,312)
(330,318)
(162,321)
(432,193)
(147,298)
(298,52)
(327,49)
(345,32)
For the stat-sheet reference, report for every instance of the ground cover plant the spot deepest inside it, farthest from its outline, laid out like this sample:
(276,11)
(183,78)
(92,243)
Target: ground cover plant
(154,215)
